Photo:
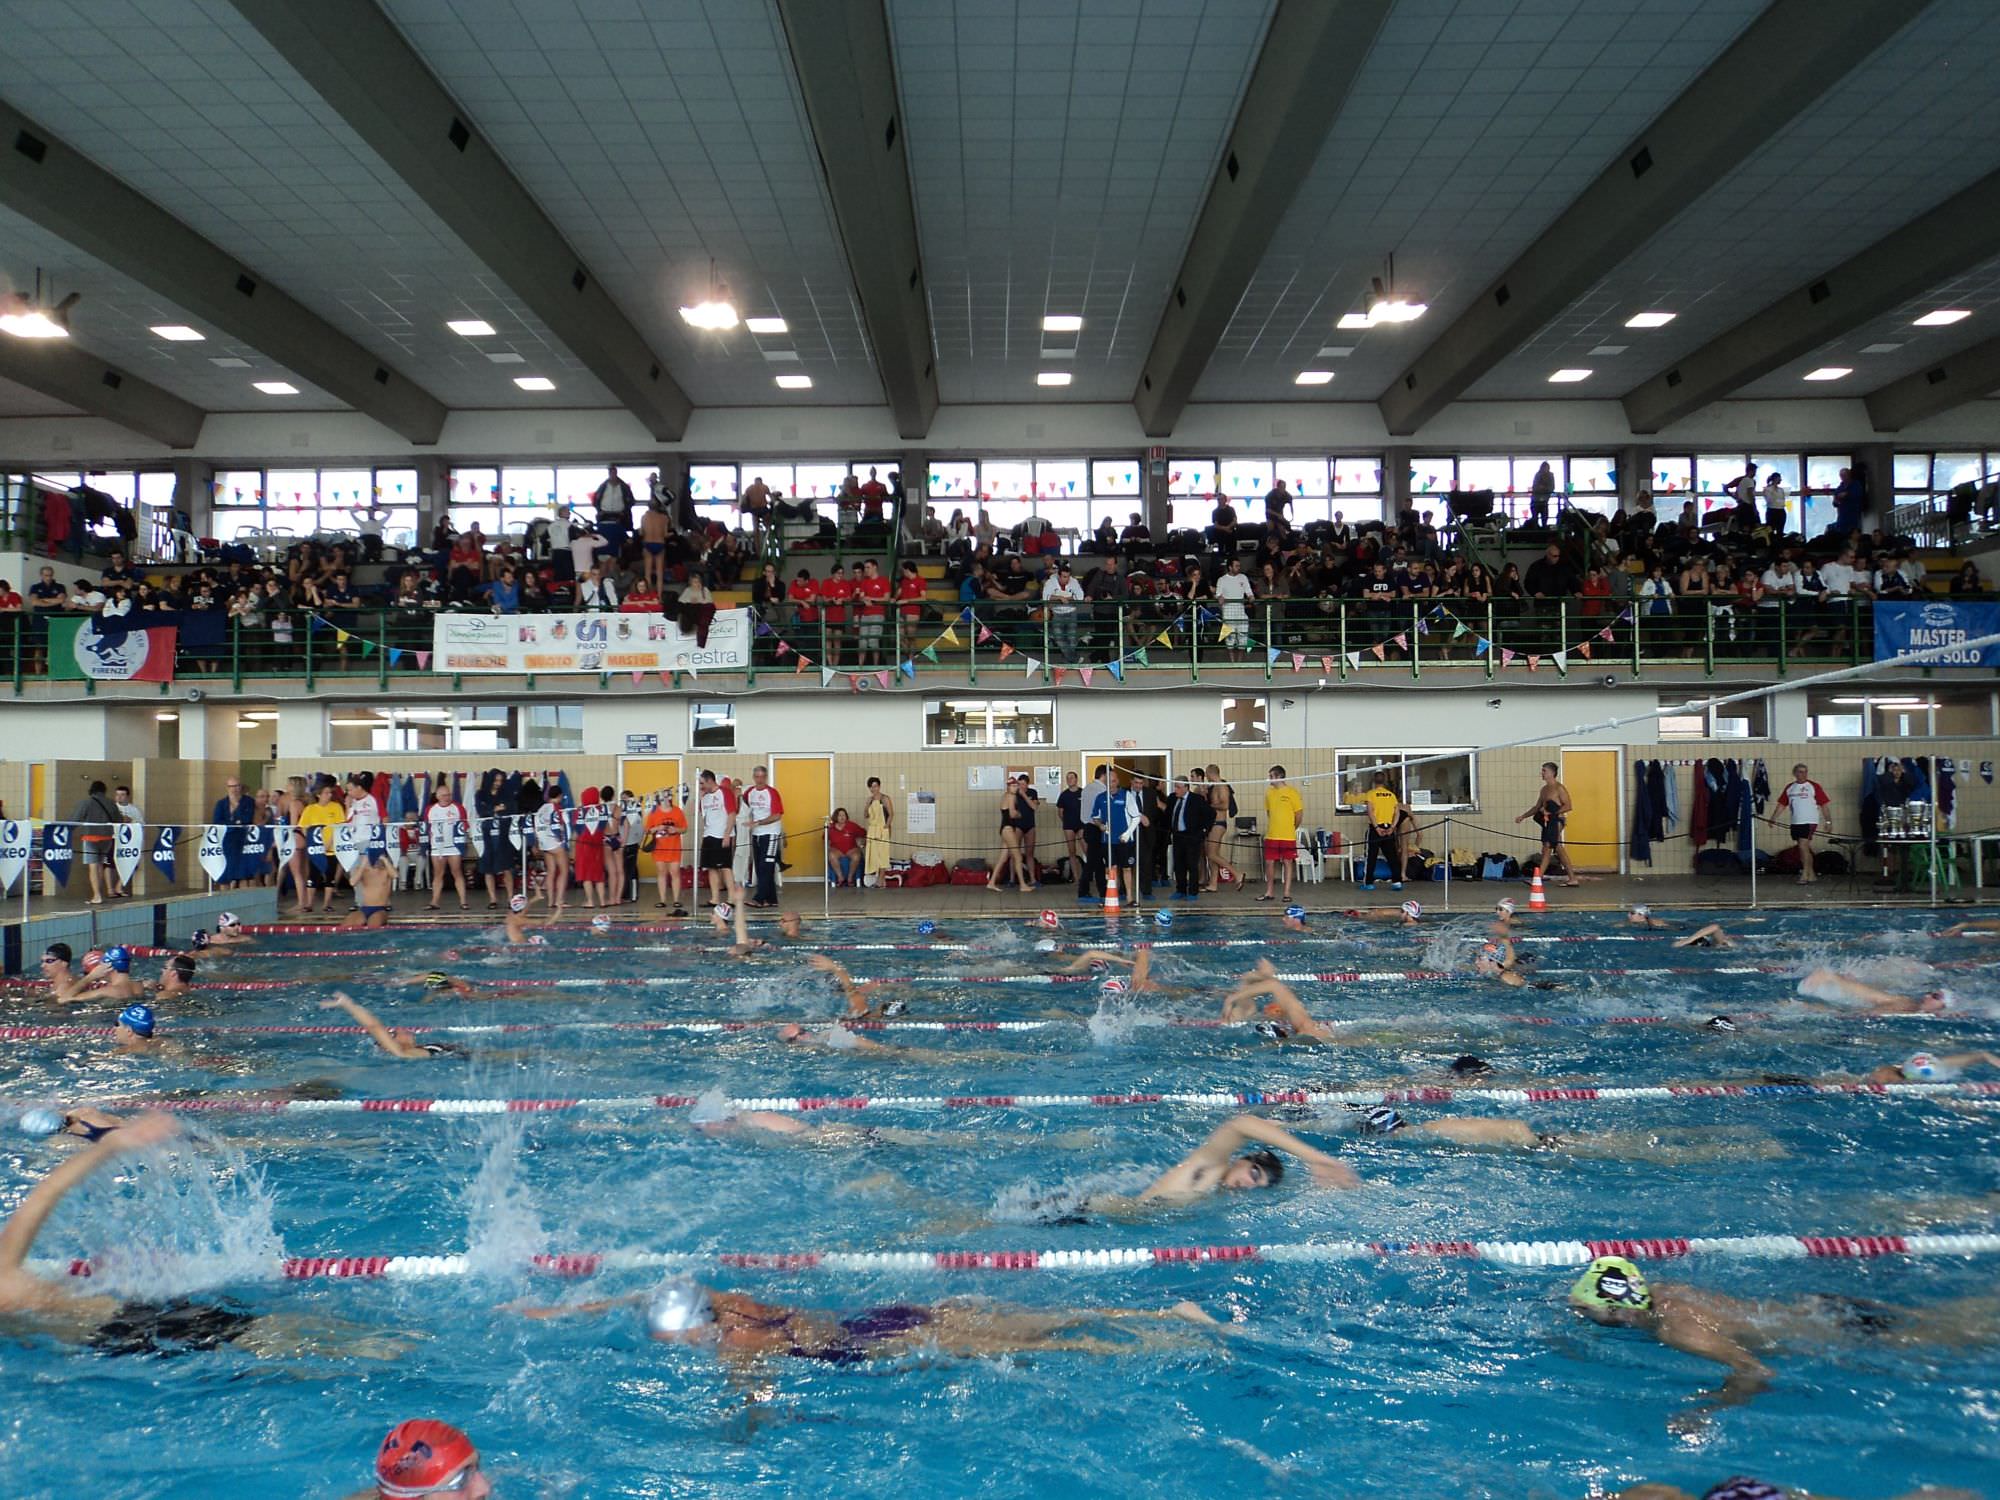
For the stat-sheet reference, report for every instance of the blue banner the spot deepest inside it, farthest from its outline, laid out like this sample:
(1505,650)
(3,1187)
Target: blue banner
(163,851)
(57,850)
(1927,625)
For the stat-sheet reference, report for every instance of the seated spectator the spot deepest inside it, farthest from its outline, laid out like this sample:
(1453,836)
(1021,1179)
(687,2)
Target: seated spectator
(1137,535)
(1222,524)
(1967,583)
(596,594)
(10,602)
(1106,535)
(695,609)
(1892,581)
(641,599)
(503,593)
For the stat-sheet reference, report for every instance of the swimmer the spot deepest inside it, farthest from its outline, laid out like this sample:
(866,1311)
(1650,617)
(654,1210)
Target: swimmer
(1931,1067)
(1741,1488)
(861,1002)
(82,1123)
(374,882)
(1214,1166)
(1096,960)
(1294,919)
(41,1305)
(1285,1015)
(435,982)
(1496,959)
(744,1333)
(1980,928)
(1642,916)
(1709,935)
(1406,915)
(229,932)
(516,925)
(1841,992)
(1734,1332)
(1488,1133)
(1504,916)
(398,1043)
(64,983)
(769,1127)
(423,1460)
(178,976)
(835,1037)
(111,978)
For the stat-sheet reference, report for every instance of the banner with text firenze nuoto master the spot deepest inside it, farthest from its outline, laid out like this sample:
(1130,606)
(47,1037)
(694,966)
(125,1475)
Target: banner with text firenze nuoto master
(1901,627)
(587,643)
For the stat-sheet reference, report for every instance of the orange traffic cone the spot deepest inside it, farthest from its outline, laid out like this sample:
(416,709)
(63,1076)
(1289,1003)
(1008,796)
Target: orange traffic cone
(1537,900)
(1111,892)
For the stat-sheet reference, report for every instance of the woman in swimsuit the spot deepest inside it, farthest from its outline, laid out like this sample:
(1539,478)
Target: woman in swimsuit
(1011,823)
(398,1043)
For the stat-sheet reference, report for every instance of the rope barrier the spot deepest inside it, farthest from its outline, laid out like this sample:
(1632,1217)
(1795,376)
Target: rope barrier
(1565,1252)
(1196,1099)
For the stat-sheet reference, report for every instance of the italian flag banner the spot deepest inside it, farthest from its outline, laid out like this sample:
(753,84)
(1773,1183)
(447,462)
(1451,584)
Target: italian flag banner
(78,649)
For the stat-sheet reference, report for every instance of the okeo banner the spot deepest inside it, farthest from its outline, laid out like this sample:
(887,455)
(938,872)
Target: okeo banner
(1924,625)
(128,845)
(15,839)
(543,644)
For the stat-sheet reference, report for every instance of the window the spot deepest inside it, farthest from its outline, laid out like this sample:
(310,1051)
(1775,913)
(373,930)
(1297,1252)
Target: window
(1246,478)
(1433,476)
(1672,475)
(1495,474)
(958,481)
(1929,711)
(1815,508)
(354,728)
(710,482)
(989,721)
(1116,477)
(1190,476)
(818,481)
(1006,479)
(1591,475)
(1063,479)
(1747,720)
(712,726)
(1435,780)
(1306,478)
(1246,721)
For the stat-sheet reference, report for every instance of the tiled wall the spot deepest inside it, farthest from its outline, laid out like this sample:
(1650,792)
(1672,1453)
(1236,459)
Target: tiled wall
(141,924)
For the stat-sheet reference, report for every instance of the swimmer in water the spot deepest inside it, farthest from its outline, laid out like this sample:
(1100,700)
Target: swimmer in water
(436,982)
(1487,1133)
(863,1000)
(834,1037)
(427,1460)
(1842,993)
(397,1042)
(229,932)
(1742,1488)
(32,1304)
(769,1127)
(1504,916)
(1982,928)
(1734,1332)
(1932,1067)
(745,1333)
(1642,916)
(1406,915)
(374,881)
(1709,935)
(64,983)
(177,978)
(111,978)
(1096,960)
(1214,1166)
(82,1123)
(1497,960)
(1284,1015)
(1294,919)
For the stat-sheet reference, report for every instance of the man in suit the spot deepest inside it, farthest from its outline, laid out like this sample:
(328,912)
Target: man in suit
(1189,817)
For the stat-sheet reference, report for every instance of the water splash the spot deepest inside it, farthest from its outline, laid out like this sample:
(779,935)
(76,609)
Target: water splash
(791,994)
(1449,948)
(503,1224)
(1050,1203)
(1116,1021)
(711,1107)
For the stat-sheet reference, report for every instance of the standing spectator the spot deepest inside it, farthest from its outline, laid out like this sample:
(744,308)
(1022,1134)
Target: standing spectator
(836,591)
(843,837)
(1096,821)
(804,597)
(1221,797)
(911,590)
(767,596)
(585,542)
(1222,525)
(665,823)
(592,870)
(316,826)
(494,808)
(234,812)
(655,526)
(871,609)
(1031,818)
(1551,809)
(96,823)
(1849,501)
(879,814)
(1234,592)
(1385,816)
(767,832)
(630,833)
(1189,818)
(1277,502)
(1123,823)
(1062,594)
(1013,818)
(445,823)
(1776,516)
(551,833)
(755,502)
(847,504)
(613,499)
(874,495)
(1069,804)
(131,812)
(1743,490)
(1805,802)
(1541,494)
(718,839)
(1283,808)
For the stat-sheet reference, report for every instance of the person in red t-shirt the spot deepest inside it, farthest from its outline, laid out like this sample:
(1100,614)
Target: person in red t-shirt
(10,602)
(874,495)
(843,836)
(872,591)
(911,590)
(803,596)
(643,600)
(835,590)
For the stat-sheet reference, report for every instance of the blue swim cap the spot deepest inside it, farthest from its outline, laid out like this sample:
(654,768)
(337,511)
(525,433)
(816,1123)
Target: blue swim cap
(1163,917)
(926,927)
(198,939)
(1296,913)
(119,957)
(137,1018)
(41,1122)
(1382,1120)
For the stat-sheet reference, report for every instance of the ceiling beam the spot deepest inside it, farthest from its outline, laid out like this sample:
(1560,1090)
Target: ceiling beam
(42,179)
(847,77)
(1310,58)
(1965,376)
(355,59)
(1781,64)
(58,369)
(1957,235)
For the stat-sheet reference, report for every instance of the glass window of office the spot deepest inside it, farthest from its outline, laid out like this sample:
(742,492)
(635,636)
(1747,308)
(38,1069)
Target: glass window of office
(959,722)
(356,728)
(712,726)
(1436,780)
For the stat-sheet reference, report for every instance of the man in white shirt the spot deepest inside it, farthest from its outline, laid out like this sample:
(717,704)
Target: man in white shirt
(1805,802)
(1234,592)
(717,839)
(767,832)
(613,499)
(1841,576)
(585,542)
(131,812)
(596,594)
(1062,594)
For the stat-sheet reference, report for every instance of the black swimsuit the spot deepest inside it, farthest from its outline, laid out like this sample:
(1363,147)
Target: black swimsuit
(170,1329)
(1856,1314)
(863,1329)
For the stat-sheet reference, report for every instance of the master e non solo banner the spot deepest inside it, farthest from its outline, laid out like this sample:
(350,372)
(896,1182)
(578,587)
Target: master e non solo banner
(1901,628)
(587,643)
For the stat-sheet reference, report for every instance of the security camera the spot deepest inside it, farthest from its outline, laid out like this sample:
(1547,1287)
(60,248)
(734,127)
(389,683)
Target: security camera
(1492,702)
(195,695)
(1288,703)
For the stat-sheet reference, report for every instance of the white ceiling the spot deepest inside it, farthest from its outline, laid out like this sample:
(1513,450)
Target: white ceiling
(1059,153)
(19,401)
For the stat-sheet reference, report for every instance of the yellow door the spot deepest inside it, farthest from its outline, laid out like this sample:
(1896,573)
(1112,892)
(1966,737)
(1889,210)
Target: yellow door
(805,785)
(1593,779)
(643,776)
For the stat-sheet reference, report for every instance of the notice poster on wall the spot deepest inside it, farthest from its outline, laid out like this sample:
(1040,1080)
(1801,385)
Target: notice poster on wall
(921,816)
(986,778)
(1048,781)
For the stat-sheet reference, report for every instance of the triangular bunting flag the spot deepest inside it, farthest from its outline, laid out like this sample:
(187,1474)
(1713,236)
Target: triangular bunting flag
(1604,634)
(1163,639)
(1561,659)
(826,676)
(367,648)
(1458,629)
(883,678)
(1534,662)
(853,683)
(1032,668)
(1298,662)
(638,679)
(1326,664)
(802,663)
(1481,646)
(340,636)
(985,635)
(423,661)
(1506,657)
(1059,673)
(1005,650)
(394,656)
(929,653)
(909,670)
(1084,673)
(1116,669)
(1583,650)
(764,629)
(1354,660)
(666,679)
(1377,649)
(952,635)
(1225,632)
(1271,655)
(1423,627)
(784,649)
(1402,641)
(1141,658)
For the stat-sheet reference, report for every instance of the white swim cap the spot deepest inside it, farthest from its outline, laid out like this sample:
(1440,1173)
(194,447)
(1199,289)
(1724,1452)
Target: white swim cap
(1642,911)
(1113,986)
(600,923)
(1505,906)
(517,904)
(228,920)
(41,1122)
(1413,910)
(1045,945)
(724,910)
(1927,1067)
(680,1306)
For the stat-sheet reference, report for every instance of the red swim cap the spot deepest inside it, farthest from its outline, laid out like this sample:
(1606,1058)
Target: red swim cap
(419,1457)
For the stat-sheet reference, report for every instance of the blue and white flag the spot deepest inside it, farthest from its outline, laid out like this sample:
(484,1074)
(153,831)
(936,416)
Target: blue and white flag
(165,843)
(57,850)
(128,847)
(16,843)
(213,852)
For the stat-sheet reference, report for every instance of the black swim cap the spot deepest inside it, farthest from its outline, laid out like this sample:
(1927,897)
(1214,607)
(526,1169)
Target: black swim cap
(1470,1064)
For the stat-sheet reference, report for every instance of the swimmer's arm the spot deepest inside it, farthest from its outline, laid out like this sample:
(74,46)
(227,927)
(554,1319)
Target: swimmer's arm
(1747,1374)
(1091,956)
(1328,1171)
(368,1021)
(575,1309)
(17,1236)
(1971,1060)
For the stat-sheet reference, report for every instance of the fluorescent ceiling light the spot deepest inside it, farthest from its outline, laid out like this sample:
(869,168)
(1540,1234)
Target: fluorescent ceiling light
(1944,317)
(1052,377)
(1829,372)
(169,717)
(1568,377)
(1312,377)
(1397,310)
(1355,320)
(1061,323)
(1606,351)
(178,333)
(534,382)
(276,387)
(246,723)
(28,322)
(1880,348)
(1650,320)
(712,315)
(794,382)
(229,362)
(1334,351)
(471,328)
(767,325)
(507,357)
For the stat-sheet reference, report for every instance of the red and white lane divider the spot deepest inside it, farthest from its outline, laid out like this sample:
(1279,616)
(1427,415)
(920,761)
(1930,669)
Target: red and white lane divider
(1297,1252)
(1199,1099)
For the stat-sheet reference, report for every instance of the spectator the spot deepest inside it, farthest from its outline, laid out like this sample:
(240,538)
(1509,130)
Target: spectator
(1594,590)
(1136,536)
(1189,816)
(1234,592)
(1892,581)
(871,609)
(10,602)
(879,815)
(613,499)
(836,591)
(494,808)
(874,495)
(1776,515)
(1062,594)
(656,526)
(1069,806)
(1656,593)
(695,609)
(767,832)
(716,810)
(665,823)
(767,595)
(755,502)
(911,591)
(1550,576)
(1967,584)
(804,597)
(504,592)
(1222,524)
(1283,808)
(592,870)
(585,542)
(1277,502)
(843,837)
(1541,492)
(467,566)
(95,822)
(1096,820)
(1849,501)
(1385,813)
(595,594)
(445,821)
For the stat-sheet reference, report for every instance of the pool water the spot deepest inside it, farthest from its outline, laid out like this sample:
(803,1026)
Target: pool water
(1393,1377)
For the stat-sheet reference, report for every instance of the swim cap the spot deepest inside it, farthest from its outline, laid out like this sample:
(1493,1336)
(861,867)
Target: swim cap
(419,1458)
(1296,913)
(724,910)
(926,927)
(1272,1031)
(1929,1067)
(1382,1120)
(517,904)
(137,1018)
(1719,1023)
(1642,911)
(1744,1489)
(892,1008)
(1611,1281)
(1163,917)
(228,920)
(1467,1063)
(679,1306)
(1113,986)
(1505,906)
(536,940)
(600,923)
(119,957)
(1413,909)
(41,1122)
(198,939)
(1045,945)
(1049,918)
(59,951)
(92,958)
(437,979)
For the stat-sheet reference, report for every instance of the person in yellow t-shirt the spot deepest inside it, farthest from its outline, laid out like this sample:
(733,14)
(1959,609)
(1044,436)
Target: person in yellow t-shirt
(1283,807)
(1385,817)
(325,814)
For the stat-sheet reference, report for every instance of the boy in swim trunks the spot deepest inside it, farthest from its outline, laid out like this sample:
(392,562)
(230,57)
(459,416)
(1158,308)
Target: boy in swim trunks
(374,883)
(1844,993)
